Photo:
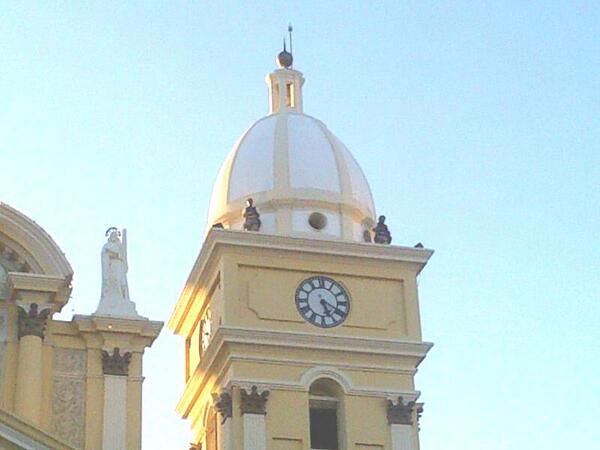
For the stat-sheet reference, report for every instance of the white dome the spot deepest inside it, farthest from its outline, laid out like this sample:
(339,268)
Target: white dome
(292,166)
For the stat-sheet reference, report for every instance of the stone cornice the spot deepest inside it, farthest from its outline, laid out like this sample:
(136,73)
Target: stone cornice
(225,336)
(117,331)
(45,288)
(397,347)
(217,238)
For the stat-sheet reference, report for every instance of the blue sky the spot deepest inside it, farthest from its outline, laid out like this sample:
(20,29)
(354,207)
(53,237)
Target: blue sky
(476,123)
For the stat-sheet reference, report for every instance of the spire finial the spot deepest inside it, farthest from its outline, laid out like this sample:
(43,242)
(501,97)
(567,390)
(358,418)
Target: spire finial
(285,58)
(290,29)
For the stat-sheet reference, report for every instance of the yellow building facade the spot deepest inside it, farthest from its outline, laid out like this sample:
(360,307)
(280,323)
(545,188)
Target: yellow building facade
(63,384)
(301,323)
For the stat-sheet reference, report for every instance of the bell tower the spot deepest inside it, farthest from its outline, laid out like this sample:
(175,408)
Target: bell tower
(301,321)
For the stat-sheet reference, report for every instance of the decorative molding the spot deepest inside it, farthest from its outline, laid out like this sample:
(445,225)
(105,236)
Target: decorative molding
(281,385)
(68,410)
(69,361)
(223,404)
(237,335)
(115,364)
(68,395)
(313,374)
(32,323)
(253,402)
(394,347)
(12,261)
(401,413)
(44,251)
(312,363)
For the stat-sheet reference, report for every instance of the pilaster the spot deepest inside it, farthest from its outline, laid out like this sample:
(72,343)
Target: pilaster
(115,368)
(119,343)
(253,407)
(402,417)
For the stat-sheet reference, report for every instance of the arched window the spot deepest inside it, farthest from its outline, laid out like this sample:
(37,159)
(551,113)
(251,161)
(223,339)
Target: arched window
(326,415)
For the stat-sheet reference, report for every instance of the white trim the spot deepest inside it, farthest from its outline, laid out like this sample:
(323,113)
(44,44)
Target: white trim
(18,438)
(282,340)
(255,432)
(313,374)
(313,362)
(396,347)
(280,385)
(114,428)
(402,437)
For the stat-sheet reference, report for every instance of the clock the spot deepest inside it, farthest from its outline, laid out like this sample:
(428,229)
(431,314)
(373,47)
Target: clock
(322,301)
(205,332)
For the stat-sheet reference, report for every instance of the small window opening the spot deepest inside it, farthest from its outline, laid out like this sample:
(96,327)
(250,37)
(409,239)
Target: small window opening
(317,220)
(291,102)
(275,98)
(323,428)
(325,414)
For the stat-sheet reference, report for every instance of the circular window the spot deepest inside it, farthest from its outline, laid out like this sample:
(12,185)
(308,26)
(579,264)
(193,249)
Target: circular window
(317,220)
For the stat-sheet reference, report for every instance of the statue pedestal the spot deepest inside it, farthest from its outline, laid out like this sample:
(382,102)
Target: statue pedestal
(117,307)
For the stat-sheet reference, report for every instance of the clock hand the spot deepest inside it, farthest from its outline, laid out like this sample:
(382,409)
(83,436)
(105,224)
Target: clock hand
(326,306)
(333,308)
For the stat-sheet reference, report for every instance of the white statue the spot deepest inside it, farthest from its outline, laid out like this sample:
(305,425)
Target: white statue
(114,300)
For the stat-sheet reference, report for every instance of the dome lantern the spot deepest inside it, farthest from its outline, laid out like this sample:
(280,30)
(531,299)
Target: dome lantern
(285,85)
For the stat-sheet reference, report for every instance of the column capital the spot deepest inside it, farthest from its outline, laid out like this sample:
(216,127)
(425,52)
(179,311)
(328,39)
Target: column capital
(402,413)
(253,402)
(32,322)
(223,404)
(115,364)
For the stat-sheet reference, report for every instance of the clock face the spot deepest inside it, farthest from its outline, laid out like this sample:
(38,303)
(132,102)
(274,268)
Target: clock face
(205,331)
(322,301)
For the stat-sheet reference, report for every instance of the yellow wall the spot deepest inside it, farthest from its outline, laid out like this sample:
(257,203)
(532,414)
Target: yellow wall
(250,289)
(77,375)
